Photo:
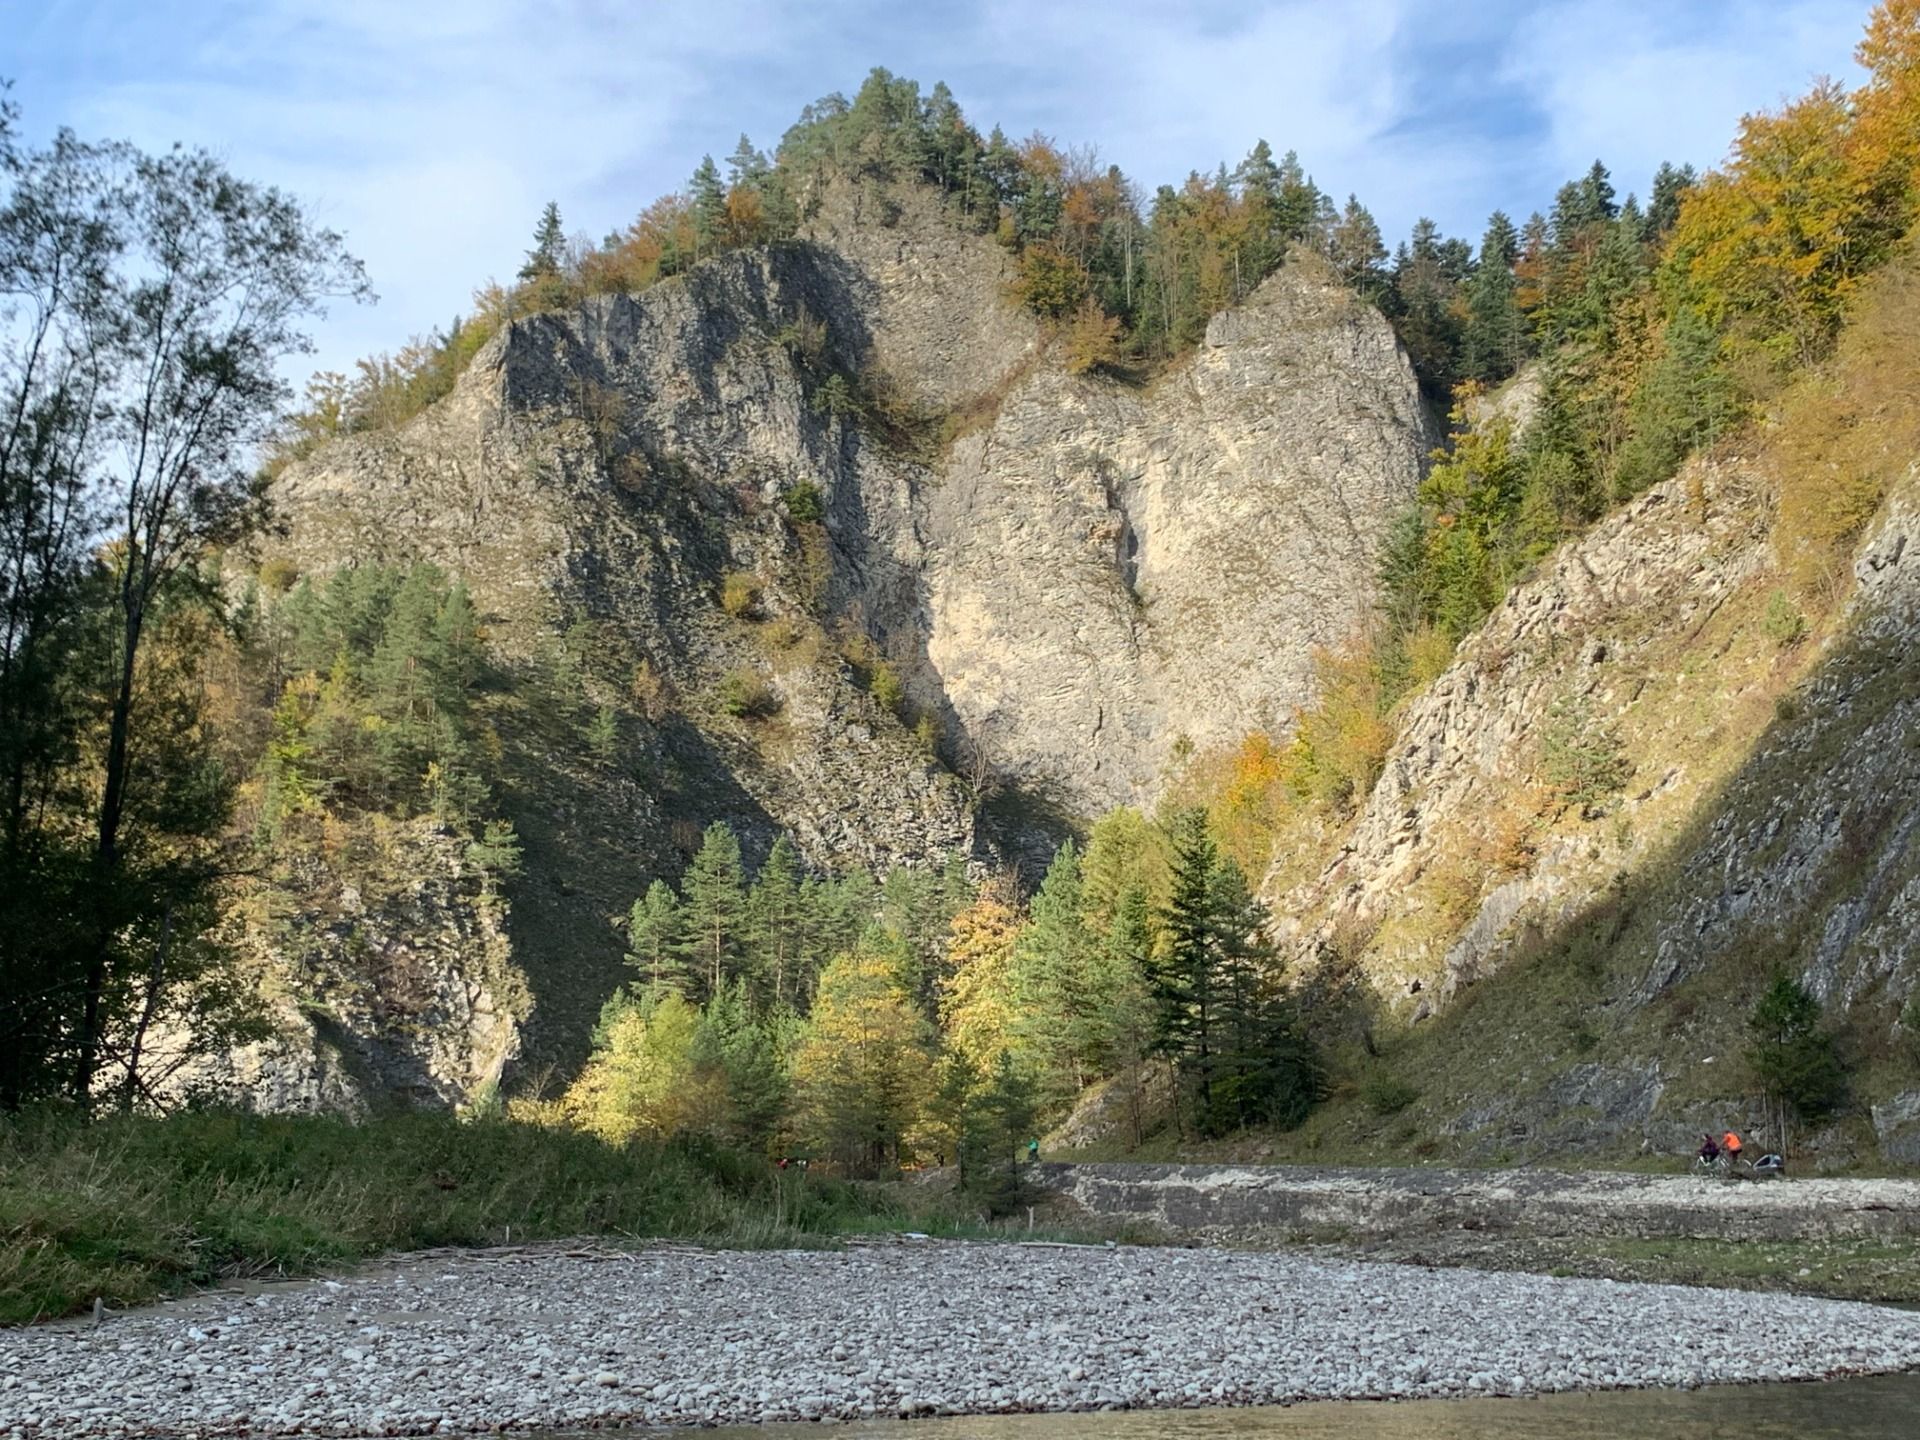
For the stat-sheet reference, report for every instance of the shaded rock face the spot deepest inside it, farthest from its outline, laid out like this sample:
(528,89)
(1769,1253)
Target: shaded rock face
(1091,573)
(388,975)
(1765,818)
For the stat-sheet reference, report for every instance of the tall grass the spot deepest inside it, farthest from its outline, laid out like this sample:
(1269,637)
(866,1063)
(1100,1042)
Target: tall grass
(131,1208)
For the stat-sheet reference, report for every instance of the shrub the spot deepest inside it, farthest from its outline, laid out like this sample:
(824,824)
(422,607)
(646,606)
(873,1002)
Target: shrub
(740,595)
(1092,340)
(649,690)
(834,397)
(805,504)
(1785,623)
(783,632)
(1385,1093)
(885,687)
(1582,757)
(926,733)
(277,576)
(744,694)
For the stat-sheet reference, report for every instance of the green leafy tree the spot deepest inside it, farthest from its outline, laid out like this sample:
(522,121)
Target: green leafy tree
(152,302)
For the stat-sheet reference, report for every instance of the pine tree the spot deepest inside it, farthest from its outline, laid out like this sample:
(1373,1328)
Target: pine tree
(656,939)
(778,925)
(714,911)
(549,246)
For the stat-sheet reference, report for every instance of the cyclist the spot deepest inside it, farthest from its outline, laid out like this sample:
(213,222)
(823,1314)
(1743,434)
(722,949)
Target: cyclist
(1730,1142)
(1709,1151)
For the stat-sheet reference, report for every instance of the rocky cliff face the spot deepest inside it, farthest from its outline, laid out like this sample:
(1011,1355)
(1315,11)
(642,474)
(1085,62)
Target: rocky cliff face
(1110,570)
(1591,965)
(384,963)
(1085,574)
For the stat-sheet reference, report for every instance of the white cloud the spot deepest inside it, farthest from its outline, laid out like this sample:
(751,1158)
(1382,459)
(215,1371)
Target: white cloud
(433,131)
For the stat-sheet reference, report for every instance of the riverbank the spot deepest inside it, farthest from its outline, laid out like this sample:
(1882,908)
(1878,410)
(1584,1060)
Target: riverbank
(129,1208)
(542,1338)
(1843,1238)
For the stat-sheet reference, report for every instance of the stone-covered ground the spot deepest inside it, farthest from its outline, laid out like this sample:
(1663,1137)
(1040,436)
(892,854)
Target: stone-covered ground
(549,1338)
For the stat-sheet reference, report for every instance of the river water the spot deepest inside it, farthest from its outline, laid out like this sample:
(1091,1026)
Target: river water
(1880,1408)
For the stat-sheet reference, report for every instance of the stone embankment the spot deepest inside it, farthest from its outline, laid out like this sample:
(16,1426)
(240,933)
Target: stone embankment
(548,1339)
(1239,1202)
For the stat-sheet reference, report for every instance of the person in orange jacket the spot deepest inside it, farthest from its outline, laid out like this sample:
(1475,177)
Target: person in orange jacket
(1730,1142)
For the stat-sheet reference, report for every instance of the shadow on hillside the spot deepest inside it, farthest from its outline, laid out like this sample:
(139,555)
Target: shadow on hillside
(1547,1051)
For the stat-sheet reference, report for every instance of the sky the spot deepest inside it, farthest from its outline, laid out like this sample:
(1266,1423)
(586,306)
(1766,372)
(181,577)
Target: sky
(431,132)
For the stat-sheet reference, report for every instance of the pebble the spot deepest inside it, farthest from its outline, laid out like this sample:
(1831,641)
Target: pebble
(543,1339)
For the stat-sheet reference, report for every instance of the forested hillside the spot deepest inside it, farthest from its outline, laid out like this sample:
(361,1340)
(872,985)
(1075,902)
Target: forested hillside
(916,627)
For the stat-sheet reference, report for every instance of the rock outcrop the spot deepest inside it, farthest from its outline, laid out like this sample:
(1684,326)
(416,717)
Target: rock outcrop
(1111,570)
(1068,573)
(384,964)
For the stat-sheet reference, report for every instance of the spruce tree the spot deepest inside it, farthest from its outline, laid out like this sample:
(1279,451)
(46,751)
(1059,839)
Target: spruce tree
(1185,976)
(549,246)
(1063,1022)
(709,208)
(1494,328)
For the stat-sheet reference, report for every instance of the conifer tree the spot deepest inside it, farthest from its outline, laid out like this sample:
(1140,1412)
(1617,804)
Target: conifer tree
(1063,1016)
(709,208)
(778,925)
(656,941)
(1185,976)
(549,246)
(714,911)
(1494,330)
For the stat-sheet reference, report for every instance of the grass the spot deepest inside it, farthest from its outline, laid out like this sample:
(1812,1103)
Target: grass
(129,1209)
(1843,1269)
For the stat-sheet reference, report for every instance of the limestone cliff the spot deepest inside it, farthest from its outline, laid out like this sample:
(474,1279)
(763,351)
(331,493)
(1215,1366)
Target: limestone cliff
(1590,966)
(1069,573)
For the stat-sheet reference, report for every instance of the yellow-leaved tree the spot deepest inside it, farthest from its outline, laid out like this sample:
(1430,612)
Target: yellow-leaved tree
(861,1072)
(642,1082)
(976,998)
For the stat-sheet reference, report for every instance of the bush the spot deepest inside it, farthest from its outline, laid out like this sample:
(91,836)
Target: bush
(1387,1094)
(805,504)
(1582,757)
(1785,623)
(744,694)
(885,687)
(649,691)
(1092,340)
(740,595)
(277,576)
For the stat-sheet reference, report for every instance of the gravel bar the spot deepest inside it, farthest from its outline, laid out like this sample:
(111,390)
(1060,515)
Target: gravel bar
(472,1342)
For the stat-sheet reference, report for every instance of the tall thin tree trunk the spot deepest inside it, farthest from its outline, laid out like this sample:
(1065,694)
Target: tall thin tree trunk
(156,977)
